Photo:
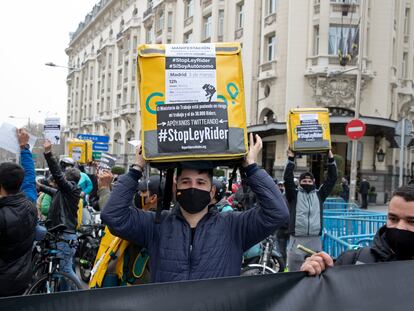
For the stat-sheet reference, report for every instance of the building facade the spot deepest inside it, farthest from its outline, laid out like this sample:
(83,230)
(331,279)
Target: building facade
(289,50)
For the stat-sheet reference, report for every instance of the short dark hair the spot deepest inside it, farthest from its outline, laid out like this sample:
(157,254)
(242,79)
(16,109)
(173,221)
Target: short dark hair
(11,177)
(405,192)
(209,172)
(72,174)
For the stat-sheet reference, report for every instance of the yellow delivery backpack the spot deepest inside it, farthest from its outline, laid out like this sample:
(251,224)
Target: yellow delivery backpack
(192,102)
(308,130)
(80,150)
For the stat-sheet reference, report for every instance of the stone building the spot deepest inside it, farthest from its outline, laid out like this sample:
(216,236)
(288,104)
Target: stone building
(289,50)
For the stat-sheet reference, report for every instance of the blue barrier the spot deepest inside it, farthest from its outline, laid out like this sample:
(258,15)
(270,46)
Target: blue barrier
(348,227)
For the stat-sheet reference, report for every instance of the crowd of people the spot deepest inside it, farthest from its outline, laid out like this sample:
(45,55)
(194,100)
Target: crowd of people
(203,235)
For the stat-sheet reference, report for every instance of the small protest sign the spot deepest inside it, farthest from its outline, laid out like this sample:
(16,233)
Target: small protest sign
(51,130)
(202,127)
(107,161)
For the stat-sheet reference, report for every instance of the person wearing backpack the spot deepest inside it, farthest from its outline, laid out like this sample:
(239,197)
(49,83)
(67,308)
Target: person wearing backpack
(392,242)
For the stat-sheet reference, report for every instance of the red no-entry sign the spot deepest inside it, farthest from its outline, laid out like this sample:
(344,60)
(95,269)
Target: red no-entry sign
(355,129)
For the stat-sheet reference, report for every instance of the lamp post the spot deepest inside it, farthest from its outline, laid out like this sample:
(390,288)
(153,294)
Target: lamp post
(50,64)
(353,176)
(359,69)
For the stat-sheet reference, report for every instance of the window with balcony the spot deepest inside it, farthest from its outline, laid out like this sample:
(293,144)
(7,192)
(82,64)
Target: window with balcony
(134,67)
(341,39)
(407,21)
(240,18)
(188,37)
(110,60)
(133,95)
(160,24)
(118,100)
(270,7)
(404,67)
(91,73)
(126,66)
(90,91)
(108,103)
(170,21)
(120,55)
(316,40)
(149,36)
(109,82)
(221,23)
(207,27)
(119,79)
(189,8)
(271,48)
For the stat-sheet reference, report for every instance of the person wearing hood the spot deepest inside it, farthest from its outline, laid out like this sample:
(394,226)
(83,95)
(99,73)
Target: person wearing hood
(392,242)
(306,209)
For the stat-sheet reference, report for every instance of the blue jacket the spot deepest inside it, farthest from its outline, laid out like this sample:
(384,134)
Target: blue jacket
(219,240)
(28,186)
(85,183)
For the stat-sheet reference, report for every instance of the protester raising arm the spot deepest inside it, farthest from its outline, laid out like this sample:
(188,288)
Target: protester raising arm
(105,178)
(29,182)
(290,187)
(55,170)
(120,216)
(331,177)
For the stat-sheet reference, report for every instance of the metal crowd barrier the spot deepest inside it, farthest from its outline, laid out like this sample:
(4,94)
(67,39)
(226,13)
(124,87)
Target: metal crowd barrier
(348,227)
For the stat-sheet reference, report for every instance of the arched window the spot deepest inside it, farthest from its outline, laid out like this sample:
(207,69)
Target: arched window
(267,116)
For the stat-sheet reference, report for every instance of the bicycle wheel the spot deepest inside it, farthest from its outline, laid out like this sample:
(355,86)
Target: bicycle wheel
(58,282)
(278,264)
(255,270)
(86,262)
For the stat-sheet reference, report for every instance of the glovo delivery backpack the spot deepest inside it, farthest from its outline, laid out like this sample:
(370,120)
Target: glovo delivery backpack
(192,102)
(308,130)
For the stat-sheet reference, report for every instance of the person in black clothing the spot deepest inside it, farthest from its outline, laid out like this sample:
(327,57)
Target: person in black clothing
(17,226)
(345,190)
(306,208)
(392,242)
(363,190)
(64,207)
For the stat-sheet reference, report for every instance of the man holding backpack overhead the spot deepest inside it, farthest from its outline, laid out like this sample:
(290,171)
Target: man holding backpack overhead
(194,240)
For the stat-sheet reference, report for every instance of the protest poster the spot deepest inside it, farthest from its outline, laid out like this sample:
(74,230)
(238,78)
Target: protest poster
(106,162)
(308,130)
(192,102)
(51,130)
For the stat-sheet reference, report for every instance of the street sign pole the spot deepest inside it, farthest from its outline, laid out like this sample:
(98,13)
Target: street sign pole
(402,147)
(353,177)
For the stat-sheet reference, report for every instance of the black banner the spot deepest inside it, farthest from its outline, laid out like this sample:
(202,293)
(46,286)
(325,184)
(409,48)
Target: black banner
(386,286)
(202,127)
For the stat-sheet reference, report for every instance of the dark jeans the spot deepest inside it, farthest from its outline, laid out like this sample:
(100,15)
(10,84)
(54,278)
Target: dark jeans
(282,236)
(364,197)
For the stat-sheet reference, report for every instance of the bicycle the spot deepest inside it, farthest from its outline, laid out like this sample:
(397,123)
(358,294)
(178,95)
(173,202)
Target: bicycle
(89,241)
(263,258)
(48,278)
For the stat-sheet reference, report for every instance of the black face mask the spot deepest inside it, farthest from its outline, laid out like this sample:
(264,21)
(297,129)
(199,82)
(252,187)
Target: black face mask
(401,242)
(308,188)
(193,200)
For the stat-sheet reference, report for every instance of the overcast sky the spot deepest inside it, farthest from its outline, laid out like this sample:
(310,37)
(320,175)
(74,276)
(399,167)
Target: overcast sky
(32,34)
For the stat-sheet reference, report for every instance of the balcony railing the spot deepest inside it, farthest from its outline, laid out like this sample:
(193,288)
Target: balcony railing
(128,109)
(267,70)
